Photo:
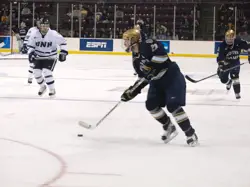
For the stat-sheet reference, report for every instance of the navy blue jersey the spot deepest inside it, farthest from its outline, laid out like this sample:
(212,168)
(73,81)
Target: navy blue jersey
(22,32)
(143,31)
(152,61)
(143,35)
(231,54)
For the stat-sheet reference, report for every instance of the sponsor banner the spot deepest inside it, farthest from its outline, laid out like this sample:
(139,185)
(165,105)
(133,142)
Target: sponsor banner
(96,45)
(4,42)
(166,45)
(217,45)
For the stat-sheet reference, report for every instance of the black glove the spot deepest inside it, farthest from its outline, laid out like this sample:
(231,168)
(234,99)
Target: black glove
(62,55)
(134,90)
(128,94)
(32,57)
(221,68)
(24,49)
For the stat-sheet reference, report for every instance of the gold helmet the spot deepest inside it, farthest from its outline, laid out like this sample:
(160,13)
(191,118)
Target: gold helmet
(230,36)
(131,37)
(137,27)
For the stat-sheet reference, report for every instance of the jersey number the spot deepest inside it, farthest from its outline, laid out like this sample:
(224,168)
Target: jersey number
(154,47)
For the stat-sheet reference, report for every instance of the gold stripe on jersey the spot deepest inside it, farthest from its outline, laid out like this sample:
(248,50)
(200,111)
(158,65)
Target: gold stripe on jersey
(159,59)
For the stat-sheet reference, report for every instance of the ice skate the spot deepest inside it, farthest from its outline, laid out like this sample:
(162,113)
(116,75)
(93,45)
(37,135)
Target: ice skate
(237,96)
(30,80)
(52,93)
(170,133)
(42,90)
(192,140)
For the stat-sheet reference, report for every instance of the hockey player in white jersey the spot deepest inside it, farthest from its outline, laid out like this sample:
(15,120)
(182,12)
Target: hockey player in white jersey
(43,53)
(25,49)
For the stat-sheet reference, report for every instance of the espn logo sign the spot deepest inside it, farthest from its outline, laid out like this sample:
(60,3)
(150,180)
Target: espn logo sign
(96,44)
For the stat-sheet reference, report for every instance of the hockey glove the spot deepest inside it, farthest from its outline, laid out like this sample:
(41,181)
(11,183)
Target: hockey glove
(62,55)
(24,49)
(32,57)
(221,68)
(134,90)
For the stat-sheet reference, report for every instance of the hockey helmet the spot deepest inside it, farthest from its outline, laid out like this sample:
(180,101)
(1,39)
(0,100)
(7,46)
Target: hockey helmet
(230,36)
(130,38)
(44,25)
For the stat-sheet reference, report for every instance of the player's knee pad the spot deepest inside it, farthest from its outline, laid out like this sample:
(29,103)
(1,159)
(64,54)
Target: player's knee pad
(224,80)
(48,76)
(151,104)
(234,76)
(236,81)
(32,65)
(37,72)
(47,72)
(173,108)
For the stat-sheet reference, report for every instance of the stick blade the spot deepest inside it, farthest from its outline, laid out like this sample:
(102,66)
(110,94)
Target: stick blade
(85,125)
(190,79)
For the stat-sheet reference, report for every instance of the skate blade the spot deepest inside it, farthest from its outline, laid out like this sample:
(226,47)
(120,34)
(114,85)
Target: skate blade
(52,96)
(194,144)
(173,135)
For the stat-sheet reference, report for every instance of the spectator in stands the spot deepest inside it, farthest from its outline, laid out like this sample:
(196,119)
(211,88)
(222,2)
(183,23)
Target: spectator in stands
(25,11)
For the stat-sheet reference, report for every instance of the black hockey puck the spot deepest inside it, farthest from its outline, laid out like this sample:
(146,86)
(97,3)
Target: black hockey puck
(79,135)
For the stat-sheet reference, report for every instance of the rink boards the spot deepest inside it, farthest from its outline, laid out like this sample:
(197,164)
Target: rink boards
(178,48)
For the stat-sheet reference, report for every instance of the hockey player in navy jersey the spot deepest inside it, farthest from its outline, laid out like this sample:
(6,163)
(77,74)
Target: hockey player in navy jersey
(229,56)
(22,31)
(144,35)
(167,86)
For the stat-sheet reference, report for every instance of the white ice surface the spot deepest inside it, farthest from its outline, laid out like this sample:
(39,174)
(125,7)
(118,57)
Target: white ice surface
(38,136)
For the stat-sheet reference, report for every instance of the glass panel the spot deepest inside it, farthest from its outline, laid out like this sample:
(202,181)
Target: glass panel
(88,20)
(242,27)
(184,21)
(164,27)
(26,13)
(76,20)
(4,23)
(47,9)
(124,18)
(65,13)
(221,21)
(15,22)
(104,20)
(197,22)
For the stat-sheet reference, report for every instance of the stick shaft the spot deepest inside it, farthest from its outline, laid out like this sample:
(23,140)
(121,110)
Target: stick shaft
(111,110)
(229,69)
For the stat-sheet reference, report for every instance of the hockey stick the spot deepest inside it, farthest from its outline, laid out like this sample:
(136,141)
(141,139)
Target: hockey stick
(195,81)
(89,126)
(11,58)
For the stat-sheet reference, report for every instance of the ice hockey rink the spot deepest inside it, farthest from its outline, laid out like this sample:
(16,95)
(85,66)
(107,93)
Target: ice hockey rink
(39,145)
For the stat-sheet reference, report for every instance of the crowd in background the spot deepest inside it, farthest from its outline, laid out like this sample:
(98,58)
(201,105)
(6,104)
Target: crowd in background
(227,19)
(103,14)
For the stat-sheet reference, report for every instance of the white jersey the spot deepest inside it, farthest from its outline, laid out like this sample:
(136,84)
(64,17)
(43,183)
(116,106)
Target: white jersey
(46,46)
(29,33)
